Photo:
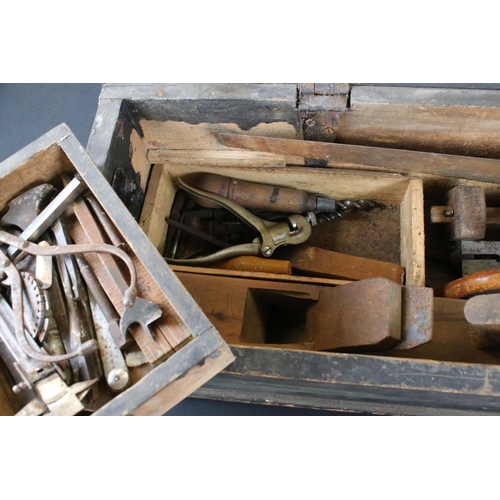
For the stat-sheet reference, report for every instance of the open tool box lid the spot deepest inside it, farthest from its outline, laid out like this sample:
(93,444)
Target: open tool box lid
(200,352)
(140,126)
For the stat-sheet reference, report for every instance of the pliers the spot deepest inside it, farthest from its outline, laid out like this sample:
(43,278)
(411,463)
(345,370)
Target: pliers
(294,230)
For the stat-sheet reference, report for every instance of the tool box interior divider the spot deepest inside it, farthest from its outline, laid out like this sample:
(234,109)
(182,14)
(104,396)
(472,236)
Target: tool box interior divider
(146,136)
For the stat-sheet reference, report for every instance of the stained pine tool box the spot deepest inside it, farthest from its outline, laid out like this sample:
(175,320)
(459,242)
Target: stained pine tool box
(60,349)
(341,239)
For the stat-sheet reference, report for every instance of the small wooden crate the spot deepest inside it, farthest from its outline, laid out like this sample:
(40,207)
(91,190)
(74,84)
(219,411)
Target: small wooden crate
(198,358)
(145,135)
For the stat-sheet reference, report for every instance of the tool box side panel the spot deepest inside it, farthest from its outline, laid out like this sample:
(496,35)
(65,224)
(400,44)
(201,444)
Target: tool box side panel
(39,162)
(453,121)
(357,382)
(173,380)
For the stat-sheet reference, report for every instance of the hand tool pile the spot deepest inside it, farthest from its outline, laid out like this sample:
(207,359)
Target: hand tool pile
(60,334)
(240,225)
(473,231)
(246,219)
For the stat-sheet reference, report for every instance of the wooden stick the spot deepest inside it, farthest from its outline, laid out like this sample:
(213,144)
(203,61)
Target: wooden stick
(256,264)
(327,264)
(348,156)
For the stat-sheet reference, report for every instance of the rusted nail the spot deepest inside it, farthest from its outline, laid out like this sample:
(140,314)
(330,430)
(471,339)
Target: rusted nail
(329,130)
(310,122)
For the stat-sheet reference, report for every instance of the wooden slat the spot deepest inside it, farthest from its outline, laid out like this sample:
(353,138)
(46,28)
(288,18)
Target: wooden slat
(209,157)
(412,234)
(325,263)
(254,264)
(339,184)
(452,121)
(157,205)
(258,276)
(416,163)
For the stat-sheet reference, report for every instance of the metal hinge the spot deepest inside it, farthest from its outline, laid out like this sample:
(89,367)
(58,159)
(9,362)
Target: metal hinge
(321,107)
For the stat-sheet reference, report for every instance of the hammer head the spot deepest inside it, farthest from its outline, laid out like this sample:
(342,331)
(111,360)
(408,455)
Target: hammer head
(143,312)
(24,209)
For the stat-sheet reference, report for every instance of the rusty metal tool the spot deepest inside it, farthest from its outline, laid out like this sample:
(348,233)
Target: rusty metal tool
(417,317)
(84,367)
(361,316)
(96,290)
(483,311)
(294,231)
(110,229)
(35,305)
(476,256)
(53,210)
(80,314)
(130,292)
(167,331)
(27,206)
(24,340)
(113,363)
(24,369)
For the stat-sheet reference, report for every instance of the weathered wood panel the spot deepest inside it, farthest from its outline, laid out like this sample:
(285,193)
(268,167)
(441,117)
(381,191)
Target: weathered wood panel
(454,121)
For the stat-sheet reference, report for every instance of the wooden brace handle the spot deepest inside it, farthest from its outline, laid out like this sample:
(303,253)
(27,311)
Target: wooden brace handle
(483,281)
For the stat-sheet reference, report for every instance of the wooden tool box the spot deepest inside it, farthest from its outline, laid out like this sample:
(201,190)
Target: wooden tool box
(144,136)
(192,354)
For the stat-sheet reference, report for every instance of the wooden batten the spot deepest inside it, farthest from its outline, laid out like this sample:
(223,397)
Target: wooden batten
(452,121)
(412,234)
(209,158)
(155,208)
